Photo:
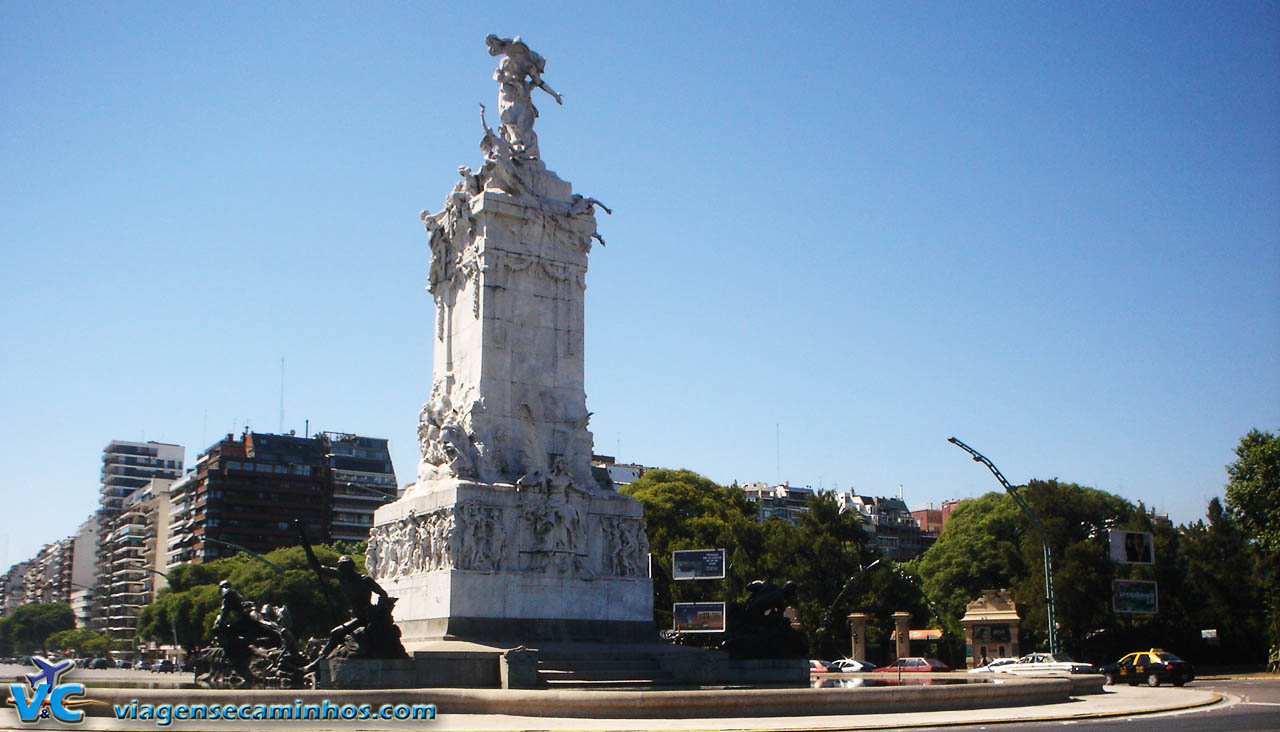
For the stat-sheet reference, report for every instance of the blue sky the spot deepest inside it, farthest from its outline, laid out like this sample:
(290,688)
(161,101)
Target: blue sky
(842,233)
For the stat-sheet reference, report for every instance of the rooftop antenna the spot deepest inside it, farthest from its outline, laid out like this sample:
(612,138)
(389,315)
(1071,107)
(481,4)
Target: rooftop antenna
(777,438)
(282,395)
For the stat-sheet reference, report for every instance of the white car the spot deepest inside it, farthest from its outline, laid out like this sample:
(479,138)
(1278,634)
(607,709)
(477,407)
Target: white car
(992,665)
(848,665)
(1055,663)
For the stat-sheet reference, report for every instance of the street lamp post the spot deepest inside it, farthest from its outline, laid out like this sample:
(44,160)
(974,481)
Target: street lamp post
(1050,608)
(250,552)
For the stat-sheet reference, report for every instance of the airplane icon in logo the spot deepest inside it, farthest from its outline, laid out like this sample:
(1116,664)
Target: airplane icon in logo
(49,673)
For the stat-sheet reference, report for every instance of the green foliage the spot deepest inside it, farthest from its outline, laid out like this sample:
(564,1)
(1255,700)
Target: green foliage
(29,626)
(1254,488)
(1253,493)
(80,641)
(684,510)
(188,607)
(990,543)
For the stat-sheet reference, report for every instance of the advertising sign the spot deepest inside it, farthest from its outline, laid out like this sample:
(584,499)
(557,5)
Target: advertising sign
(1132,547)
(693,564)
(991,634)
(698,617)
(1135,597)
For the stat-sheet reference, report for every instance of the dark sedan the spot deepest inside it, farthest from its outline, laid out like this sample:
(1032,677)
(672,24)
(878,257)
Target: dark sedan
(1155,667)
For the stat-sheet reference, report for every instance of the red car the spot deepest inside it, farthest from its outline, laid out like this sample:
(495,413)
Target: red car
(915,663)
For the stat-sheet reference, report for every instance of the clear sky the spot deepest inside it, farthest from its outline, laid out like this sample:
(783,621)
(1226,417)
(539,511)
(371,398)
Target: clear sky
(842,233)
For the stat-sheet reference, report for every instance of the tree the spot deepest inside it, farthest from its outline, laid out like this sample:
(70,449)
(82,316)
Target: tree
(684,510)
(1219,565)
(29,626)
(1253,493)
(81,641)
(991,544)
(822,553)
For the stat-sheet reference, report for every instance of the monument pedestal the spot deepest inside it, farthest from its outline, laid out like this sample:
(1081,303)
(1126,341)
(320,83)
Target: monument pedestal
(501,564)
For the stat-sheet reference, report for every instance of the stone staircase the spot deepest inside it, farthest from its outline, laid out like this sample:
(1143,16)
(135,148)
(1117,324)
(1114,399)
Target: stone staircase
(569,670)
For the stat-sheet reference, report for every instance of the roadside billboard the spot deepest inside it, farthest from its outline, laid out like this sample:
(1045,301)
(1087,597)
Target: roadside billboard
(698,617)
(1132,547)
(1136,597)
(697,564)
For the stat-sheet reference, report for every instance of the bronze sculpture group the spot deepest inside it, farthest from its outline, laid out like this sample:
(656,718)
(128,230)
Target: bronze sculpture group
(254,647)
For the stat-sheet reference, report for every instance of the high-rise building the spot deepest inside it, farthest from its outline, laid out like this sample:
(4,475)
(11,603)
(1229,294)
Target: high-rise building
(135,575)
(84,554)
(12,594)
(363,479)
(48,578)
(126,467)
(246,492)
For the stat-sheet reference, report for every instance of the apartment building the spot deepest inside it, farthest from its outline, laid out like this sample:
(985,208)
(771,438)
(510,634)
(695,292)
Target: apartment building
(126,467)
(363,479)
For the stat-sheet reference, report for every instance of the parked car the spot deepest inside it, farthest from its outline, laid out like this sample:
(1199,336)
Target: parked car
(992,665)
(915,663)
(165,666)
(142,666)
(848,665)
(1047,663)
(818,667)
(100,663)
(1155,667)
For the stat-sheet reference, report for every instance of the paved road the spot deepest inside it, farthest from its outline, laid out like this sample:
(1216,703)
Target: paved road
(1249,705)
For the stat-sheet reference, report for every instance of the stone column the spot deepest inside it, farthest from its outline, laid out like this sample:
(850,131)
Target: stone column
(903,622)
(858,635)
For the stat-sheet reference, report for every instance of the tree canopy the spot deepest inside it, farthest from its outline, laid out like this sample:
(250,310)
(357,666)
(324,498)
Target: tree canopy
(1253,490)
(826,549)
(28,627)
(1253,493)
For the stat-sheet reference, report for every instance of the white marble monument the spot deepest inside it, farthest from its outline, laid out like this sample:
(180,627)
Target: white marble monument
(506,536)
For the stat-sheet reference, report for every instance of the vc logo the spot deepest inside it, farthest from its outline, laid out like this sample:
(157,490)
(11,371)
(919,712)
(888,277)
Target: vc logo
(43,696)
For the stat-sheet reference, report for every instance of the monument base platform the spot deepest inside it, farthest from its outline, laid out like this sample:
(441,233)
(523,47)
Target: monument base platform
(616,665)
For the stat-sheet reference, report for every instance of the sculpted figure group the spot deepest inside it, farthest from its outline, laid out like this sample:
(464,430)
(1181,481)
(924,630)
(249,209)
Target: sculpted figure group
(255,647)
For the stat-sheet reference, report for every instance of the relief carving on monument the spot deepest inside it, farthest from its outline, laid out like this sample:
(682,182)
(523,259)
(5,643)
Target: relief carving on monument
(419,542)
(481,540)
(553,512)
(625,546)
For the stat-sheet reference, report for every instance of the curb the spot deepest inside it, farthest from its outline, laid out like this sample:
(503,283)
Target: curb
(1216,699)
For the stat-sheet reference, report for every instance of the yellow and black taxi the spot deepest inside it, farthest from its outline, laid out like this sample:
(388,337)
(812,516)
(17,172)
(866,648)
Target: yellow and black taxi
(1154,667)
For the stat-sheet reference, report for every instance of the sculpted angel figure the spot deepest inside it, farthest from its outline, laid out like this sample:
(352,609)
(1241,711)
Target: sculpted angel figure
(519,72)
